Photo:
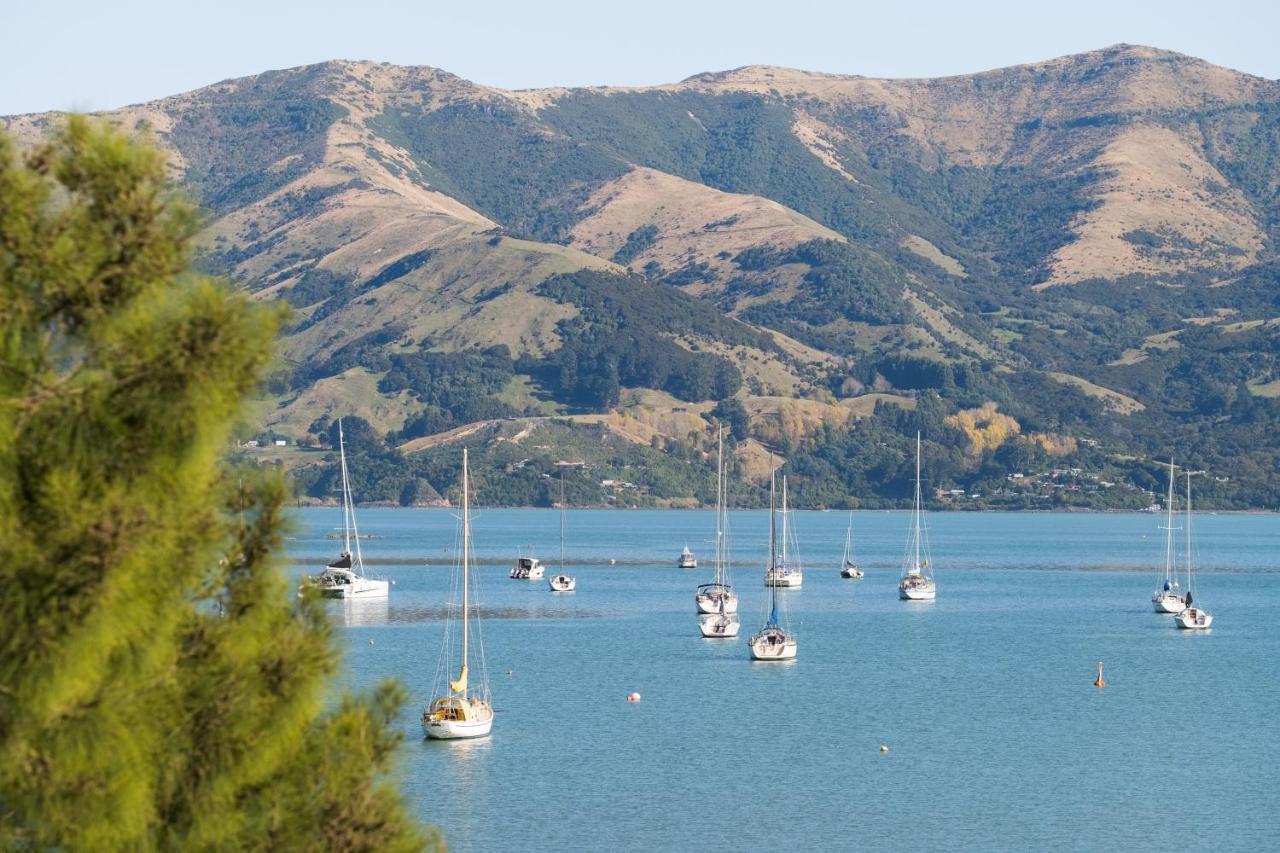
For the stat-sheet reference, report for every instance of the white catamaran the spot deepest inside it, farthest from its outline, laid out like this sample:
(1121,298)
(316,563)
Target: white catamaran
(463,711)
(345,577)
(917,582)
(1167,599)
(849,566)
(1191,617)
(784,572)
(774,641)
(717,602)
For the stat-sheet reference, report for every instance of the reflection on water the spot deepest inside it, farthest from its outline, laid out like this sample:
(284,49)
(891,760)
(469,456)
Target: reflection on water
(371,612)
(360,612)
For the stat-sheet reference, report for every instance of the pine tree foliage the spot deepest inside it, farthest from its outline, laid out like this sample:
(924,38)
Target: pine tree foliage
(161,687)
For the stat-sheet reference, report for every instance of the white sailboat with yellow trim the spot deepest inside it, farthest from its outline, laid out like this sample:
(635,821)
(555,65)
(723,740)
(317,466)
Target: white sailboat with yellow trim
(463,711)
(917,582)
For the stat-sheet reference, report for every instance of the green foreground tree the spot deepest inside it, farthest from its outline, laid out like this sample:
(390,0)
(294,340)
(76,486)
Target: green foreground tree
(160,685)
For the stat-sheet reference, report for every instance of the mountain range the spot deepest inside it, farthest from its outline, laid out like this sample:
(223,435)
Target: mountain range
(1062,267)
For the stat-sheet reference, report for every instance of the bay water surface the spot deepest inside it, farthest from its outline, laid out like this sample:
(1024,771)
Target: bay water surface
(997,738)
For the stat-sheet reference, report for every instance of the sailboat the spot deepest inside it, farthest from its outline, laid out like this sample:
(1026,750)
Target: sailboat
(1191,617)
(345,577)
(463,712)
(773,641)
(1167,599)
(717,602)
(562,582)
(849,566)
(783,572)
(718,595)
(686,560)
(917,582)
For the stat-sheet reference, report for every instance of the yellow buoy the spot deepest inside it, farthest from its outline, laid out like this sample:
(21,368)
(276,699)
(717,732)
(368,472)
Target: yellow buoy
(1099,681)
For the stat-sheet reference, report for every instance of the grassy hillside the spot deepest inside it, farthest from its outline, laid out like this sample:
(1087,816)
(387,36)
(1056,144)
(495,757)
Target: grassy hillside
(825,263)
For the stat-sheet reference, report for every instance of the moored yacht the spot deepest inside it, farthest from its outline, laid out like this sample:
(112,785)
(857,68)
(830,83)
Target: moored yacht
(773,642)
(463,711)
(345,577)
(1168,598)
(848,565)
(718,596)
(784,572)
(562,582)
(686,560)
(917,582)
(527,569)
(1191,617)
(717,602)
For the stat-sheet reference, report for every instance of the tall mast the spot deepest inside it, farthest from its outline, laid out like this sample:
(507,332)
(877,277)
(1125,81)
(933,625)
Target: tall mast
(720,506)
(466,559)
(346,492)
(562,521)
(1168,527)
(773,534)
(784,519)
(1188,531)
(916,536)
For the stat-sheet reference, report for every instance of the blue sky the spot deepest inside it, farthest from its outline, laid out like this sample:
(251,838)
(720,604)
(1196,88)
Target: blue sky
(98,55)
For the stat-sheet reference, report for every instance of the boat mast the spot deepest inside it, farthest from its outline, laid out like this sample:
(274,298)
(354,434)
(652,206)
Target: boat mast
(720,506)
(1188,532)
(773,535)
(1168,527)
(916,534)
(785,526)
(562,521)
(346,493)
(466,558)
(349,527)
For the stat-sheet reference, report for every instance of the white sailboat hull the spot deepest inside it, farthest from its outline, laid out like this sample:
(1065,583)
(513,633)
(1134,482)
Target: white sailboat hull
(563,583)
(762,649)
(357,587)
(918,592)
(457,729)
(719,627)
(709,603)
(851,572)
(790,578)
(1193,618)
(1167,602)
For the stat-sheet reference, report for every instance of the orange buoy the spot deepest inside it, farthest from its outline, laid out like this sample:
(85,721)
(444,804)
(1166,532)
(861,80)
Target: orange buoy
(633,697)
(1099,681)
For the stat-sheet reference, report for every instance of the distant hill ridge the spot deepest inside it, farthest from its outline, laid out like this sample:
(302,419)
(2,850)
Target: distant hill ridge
(1051,237)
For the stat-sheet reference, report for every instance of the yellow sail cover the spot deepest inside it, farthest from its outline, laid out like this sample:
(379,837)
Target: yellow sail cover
(460,686)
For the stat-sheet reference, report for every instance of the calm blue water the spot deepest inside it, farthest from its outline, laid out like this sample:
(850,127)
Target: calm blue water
(998,739)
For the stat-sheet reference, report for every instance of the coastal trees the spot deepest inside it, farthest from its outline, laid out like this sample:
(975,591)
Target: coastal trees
(160,684)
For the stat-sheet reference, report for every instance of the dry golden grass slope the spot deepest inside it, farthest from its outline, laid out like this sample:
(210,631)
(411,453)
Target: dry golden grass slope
(696,224)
